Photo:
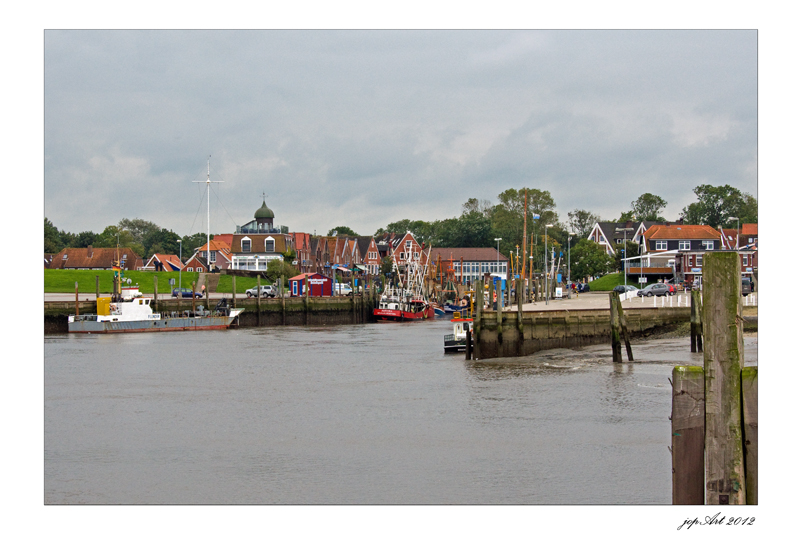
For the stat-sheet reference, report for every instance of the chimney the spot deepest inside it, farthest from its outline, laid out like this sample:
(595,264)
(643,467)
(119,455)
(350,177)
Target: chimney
(629,224)
(89,251)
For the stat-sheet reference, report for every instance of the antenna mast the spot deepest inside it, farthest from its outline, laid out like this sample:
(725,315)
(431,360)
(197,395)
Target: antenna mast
(208,183)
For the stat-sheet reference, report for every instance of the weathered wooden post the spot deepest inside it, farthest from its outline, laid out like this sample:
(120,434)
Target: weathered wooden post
(520,332)
(233,282)
(723,358)
(616,345)
(469,344)
(696,327)
(307,298)
(476,323)
(97,286)
(750,407)
(499,314)
(155,293)
(688,434)
(77,304)
(623,323)
(194,286)
(258,299)
(283,301)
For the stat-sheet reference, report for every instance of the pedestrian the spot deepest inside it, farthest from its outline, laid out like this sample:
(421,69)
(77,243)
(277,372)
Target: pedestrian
(203,289)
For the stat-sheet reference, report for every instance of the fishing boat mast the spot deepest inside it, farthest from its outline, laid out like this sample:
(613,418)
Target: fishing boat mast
(208,183)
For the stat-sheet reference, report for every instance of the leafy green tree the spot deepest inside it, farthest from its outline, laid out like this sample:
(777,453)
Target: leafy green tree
(84,239)
(715,206)
(277,268)
(629,247)
(166,240)
(342,230)
(648,207)
(590,259)
(113,235)
(190,243)
(626,216)
(508,215)
(52,239)
(581,222)
(473,205)
(138,228)
(386,265)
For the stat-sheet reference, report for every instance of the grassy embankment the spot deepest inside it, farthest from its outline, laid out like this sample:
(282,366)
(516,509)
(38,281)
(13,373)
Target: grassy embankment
(64,281)
(607,282)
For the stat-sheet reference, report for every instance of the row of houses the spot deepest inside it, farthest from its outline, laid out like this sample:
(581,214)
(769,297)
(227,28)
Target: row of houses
(664,250)
(674,250)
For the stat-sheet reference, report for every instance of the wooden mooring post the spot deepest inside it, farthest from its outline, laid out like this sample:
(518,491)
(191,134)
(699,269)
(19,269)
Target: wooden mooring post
(97,286)
(723,362)
(77,302)
(476,322)
(469,344)
(688,435)
(155,293)
(750,407)
(258,299)
(696,323)
(233,289)
(619,329)
(194,286)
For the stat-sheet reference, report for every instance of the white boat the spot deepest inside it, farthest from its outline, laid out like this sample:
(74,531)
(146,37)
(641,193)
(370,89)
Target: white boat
(457,341)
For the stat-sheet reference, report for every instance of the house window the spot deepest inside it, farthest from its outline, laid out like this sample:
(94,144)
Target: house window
(699,261)
(402,255)
(245,245)
(269,244)
(601,239)
(708,245)
(416,255)
(619,241)
(689,260)
(744,260)
(684,245)
(661,245)
(65,257)
(190,269)
(750,239)
(199,269)
(408,244)
(213,257)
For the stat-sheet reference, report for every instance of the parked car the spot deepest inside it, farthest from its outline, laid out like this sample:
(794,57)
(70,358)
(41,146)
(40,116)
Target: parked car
(624,288)
(342,288)
(267,291)
(654,289)
(747,288)
(186,293)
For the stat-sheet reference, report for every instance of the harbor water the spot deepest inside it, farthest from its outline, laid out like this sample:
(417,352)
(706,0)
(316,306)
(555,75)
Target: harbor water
(361,414)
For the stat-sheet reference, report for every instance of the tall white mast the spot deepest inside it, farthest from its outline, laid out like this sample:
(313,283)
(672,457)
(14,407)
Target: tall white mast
(208,183)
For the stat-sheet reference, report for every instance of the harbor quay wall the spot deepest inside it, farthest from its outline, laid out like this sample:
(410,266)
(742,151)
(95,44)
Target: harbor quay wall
(543,330)
(272,311)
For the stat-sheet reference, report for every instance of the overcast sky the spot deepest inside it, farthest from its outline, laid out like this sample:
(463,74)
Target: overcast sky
(363,128)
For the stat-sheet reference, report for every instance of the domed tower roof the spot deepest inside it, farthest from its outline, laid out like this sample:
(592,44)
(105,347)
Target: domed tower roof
(264,212)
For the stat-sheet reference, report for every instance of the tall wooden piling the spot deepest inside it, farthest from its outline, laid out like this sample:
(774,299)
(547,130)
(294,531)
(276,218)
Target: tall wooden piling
(306,300)
(469,344)
(155,293)
(688,435)
(233,289)
(194,287)
(520,332)
(97,286)
(616,345)
(723,358)
(77,304)
(258,299)
(623,324)
(696,323)
(750,411)
(476,323)
(283,300)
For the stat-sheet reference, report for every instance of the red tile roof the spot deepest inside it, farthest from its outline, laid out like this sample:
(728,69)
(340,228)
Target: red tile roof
(749,229)
(681,231)
(95,258)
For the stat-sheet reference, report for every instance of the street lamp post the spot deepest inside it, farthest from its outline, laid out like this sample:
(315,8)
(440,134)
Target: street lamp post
(180,258)
(546,286)
(624,252)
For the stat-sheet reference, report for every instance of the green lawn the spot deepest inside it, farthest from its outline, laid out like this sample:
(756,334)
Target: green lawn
(64,281)
(607,282)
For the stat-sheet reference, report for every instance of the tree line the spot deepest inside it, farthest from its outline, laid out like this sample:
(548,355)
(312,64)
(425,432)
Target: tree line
(143,237)
(480,224)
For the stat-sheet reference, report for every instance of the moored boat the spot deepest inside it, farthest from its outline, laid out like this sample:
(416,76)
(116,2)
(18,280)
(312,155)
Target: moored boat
(457,341)
(136,315)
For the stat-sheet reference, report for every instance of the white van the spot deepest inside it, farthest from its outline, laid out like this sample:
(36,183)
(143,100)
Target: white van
(343,289)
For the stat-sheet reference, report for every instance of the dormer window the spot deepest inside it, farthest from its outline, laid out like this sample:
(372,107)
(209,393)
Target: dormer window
(65,257)
(246,245)
(269,244)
